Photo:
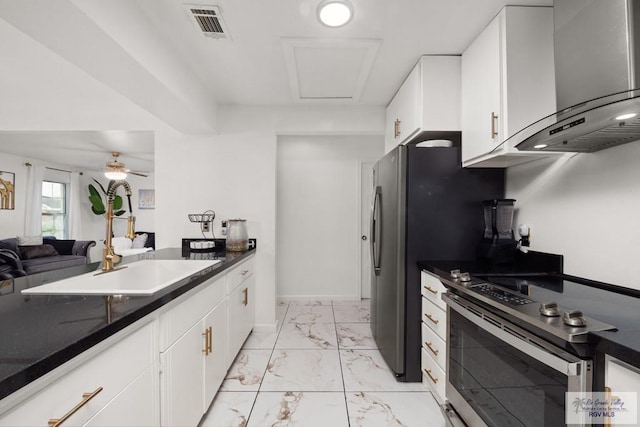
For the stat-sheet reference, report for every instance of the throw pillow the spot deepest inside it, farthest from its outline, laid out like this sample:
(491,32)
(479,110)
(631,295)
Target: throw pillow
(139,241)
(63,247)
(120,244)
(29,240)
(37,251)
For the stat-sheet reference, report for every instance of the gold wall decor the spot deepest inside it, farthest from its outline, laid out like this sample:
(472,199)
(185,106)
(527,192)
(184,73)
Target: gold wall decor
(7,190)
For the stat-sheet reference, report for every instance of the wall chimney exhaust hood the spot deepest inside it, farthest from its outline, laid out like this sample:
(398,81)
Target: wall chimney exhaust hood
(597,71)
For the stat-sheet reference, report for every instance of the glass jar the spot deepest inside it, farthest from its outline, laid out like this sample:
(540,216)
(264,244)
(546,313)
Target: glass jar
(237,237)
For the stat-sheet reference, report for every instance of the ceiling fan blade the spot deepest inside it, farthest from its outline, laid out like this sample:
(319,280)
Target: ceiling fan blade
(138,173)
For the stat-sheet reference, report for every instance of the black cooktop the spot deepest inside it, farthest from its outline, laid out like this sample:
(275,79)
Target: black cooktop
(618,309)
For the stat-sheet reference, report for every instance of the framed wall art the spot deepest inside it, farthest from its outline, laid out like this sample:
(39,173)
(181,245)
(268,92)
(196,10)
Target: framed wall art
(146,199)
(7,190)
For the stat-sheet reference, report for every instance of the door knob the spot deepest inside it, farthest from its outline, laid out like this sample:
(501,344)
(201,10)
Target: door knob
(364,237)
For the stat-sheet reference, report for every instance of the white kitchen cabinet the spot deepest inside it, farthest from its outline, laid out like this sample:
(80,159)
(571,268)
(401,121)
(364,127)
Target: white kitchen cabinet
(434,337)
(199,338)
(622,377)
(181,380)
(428,100)
(97,382)
(215,357)
(136,405)
(241,298)
(508,83)
(188,360)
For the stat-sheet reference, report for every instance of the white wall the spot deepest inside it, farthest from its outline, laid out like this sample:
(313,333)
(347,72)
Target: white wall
(586,207)
(318,216)
(232,174)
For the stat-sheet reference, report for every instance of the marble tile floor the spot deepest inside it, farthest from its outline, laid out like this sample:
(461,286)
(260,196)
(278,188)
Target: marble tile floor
(320,369)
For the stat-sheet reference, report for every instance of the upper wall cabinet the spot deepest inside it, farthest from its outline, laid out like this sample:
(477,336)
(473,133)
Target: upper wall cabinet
(508,83)
(428,100)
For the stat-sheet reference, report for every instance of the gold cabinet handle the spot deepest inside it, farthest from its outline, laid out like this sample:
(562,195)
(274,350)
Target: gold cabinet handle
(396,128)
(435,321)
(428,372)
(494,127)
(607,391)
(245,301)
(244,272)
(210,344)
(86,397)
(207,334)
(434,351)
(430,289)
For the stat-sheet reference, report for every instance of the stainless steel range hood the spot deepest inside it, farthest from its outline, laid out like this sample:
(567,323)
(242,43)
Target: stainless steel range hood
(597,66)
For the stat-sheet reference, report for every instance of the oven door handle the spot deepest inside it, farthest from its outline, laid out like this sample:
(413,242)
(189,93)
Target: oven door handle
(522,340)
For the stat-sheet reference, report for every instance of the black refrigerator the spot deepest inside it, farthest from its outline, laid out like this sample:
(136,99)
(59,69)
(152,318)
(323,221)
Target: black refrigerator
(425,207)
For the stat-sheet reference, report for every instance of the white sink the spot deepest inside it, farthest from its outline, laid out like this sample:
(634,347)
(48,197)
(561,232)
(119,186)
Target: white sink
(144,277)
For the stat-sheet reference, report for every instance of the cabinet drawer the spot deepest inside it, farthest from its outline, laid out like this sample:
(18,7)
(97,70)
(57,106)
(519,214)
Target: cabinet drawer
(239,273)
(433,289)
(435,346)
(433,376)
(111,370)
(181,317)
(434,317)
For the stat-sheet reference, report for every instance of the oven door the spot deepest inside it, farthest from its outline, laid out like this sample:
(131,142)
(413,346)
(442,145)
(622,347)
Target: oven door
(500,375)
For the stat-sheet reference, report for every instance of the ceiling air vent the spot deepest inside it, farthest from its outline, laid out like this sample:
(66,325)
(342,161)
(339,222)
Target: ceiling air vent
(208,20)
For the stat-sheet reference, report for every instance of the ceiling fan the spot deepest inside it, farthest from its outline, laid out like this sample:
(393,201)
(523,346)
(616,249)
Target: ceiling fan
(117,171)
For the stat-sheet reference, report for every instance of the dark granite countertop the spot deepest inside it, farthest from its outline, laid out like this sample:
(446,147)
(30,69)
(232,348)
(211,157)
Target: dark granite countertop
(40,333)
(609,303)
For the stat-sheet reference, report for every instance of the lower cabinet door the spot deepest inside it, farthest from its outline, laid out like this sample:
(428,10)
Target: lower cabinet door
(433,376)
(215,357)
(181,379)
(241,315)
(136,405)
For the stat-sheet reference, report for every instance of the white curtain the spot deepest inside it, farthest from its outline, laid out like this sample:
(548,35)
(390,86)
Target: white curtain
(33,209)
(75,207)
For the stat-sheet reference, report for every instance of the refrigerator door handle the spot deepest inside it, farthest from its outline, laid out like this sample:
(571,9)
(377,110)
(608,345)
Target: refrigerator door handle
(375,228)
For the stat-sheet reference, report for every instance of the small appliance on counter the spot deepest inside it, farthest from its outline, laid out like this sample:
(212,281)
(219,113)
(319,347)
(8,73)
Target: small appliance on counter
(498,244)
(237,236)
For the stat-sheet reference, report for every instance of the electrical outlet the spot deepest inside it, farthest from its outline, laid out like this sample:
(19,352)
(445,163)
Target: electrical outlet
(206,226)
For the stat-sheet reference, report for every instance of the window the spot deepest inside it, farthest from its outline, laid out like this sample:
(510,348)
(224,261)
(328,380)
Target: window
(54,209)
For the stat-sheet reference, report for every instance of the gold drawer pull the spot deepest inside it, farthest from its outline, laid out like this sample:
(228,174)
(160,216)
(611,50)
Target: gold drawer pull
(433,291)
(245,301)
(86,397)
(428,372)
(494,130)
(396,128)
(207,334)
(428,316)
(244,272)
(434,351)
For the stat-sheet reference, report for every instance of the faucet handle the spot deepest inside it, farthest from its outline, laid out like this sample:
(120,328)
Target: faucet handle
(131,222)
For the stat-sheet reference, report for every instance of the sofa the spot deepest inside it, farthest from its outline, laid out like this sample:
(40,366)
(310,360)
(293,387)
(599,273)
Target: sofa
(52,254)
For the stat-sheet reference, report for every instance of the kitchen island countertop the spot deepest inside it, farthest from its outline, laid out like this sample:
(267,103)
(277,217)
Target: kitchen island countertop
(39,333)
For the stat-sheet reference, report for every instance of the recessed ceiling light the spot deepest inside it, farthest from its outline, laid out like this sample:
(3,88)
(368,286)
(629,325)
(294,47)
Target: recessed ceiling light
(539,146)
(626,116)
(335,13)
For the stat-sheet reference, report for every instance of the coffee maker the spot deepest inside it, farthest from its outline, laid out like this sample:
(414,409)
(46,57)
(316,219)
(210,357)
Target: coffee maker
(498,245)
